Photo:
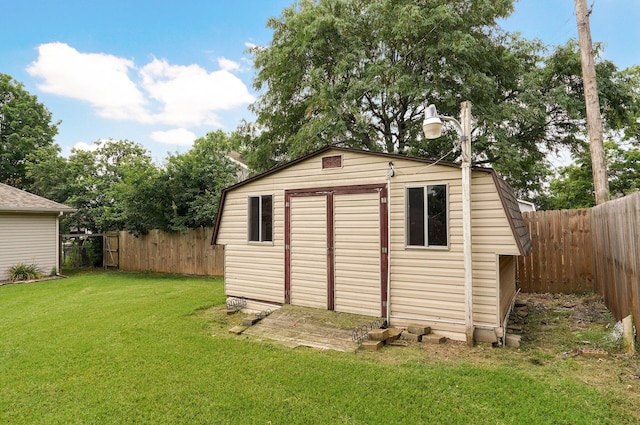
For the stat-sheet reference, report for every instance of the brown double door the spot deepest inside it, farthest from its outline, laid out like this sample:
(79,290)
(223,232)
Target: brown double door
(336,249)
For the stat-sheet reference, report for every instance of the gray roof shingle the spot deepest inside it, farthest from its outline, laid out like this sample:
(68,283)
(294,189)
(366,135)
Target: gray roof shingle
(13,199)
(518,226)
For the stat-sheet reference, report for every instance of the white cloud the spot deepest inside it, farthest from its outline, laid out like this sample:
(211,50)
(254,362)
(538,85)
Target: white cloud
(82,146)
(228,65)
(190,94)
(161,93)
(178,136)
(97,78)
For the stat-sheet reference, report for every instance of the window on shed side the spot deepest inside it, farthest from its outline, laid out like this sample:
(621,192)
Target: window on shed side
(427,223)
(261,218)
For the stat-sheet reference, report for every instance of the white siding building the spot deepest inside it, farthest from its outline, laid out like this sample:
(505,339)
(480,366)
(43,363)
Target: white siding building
(28,230)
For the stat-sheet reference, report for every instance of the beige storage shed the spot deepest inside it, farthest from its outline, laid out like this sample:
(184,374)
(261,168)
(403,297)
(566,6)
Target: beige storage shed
(374,234)
(28,230)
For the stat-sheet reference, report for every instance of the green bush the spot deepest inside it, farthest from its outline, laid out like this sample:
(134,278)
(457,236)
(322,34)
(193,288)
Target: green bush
(83,253)
(93,247)
(23,271)
(72,257)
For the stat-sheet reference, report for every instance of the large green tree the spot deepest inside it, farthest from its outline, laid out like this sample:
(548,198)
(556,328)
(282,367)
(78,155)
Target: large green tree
(96,183)
(359,72)
(26,132)
(117,186)
(195,179)
(573,186)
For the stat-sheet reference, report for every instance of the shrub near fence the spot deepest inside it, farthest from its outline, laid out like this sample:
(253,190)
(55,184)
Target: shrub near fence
(172,252)
(560,260)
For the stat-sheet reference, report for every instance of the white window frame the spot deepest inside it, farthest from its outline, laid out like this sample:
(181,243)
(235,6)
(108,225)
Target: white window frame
(260,224)
(425,188)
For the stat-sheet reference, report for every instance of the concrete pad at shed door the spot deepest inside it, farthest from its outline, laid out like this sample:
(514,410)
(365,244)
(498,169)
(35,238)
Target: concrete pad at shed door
(296,326)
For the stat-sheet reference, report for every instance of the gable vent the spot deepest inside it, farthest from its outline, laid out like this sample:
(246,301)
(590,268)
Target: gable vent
(332,162)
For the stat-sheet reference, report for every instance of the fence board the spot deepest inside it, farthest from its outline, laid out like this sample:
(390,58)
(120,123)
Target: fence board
(560,258)
(535,274)
(616,227)
(172,252)
(585,250)
(111,250)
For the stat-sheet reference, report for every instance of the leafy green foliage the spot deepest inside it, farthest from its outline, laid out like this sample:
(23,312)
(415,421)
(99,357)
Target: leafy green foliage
(358,73)
(118,187)
(195,181)
(573,187)
(26,132)
(95,179)
(623,166)
(22,271)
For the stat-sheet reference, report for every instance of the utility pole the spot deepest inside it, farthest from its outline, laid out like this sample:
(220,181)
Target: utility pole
(594,120)
(465,139)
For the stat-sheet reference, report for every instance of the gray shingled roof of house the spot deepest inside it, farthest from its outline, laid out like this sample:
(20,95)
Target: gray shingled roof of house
(13,199)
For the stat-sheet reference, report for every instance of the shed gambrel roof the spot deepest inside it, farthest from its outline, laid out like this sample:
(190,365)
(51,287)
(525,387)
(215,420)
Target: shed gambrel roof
(17,200)
(511,207)
(507,197)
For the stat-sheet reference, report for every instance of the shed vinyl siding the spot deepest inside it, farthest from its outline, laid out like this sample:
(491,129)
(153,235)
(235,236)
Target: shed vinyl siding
(491,235)
(29,239)
(427,285)
(252,270)
(257,271)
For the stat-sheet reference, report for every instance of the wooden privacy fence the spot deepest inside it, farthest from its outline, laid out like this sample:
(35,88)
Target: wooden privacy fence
(595,249)
(560,260)
(172,252)
(616,237)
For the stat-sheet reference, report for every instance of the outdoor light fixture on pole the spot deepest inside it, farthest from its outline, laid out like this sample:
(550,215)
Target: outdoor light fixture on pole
(432,128)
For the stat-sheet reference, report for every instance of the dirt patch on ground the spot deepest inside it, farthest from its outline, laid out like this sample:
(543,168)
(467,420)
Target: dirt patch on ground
(315,328)
(579,311)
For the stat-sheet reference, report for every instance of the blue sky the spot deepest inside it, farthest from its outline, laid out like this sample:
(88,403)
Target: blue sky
(163,73)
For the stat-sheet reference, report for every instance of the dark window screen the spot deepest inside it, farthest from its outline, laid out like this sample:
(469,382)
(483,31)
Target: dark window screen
(267,218)
(254,218)
(437,215)
(415,227)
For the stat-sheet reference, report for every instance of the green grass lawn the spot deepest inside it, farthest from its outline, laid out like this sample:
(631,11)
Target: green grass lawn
(118,348)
